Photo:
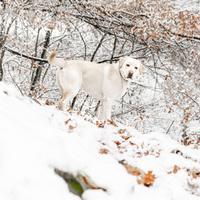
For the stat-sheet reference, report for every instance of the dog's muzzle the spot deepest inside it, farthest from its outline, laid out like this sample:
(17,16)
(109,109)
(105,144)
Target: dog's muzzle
(130,75)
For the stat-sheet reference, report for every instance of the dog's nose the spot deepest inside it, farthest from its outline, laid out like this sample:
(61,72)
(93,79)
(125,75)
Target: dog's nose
(130,74)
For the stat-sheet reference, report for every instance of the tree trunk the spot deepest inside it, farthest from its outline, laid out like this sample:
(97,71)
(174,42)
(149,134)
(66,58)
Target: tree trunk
(1,67)
(38,72)
(2,52)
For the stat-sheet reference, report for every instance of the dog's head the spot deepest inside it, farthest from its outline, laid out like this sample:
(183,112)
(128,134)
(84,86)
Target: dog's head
(130,67)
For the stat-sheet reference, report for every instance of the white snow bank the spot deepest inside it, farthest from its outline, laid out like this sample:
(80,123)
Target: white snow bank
(31,146)
(34,140)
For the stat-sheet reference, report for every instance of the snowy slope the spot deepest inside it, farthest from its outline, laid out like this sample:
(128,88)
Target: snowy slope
(118,162)
(192,5)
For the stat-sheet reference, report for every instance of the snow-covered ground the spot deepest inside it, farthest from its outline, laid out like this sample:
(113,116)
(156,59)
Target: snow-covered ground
(114,163)
(193,5)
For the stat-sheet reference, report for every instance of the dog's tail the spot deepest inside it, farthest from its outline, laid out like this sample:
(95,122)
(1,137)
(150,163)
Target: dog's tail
(52,57)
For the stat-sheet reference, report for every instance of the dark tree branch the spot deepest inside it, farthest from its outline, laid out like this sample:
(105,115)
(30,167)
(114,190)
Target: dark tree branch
(179,34)
(114,48)
(25,56)
(98,46)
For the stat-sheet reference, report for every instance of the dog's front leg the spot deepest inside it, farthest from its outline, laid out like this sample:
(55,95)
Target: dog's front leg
(62,101)
(104,112)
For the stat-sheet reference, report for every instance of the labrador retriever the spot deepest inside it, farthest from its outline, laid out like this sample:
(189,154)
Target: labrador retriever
(105,82)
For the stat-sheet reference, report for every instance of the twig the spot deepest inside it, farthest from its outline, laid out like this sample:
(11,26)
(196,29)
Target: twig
(169,127)
(25,56)
(98,46)
(114,48)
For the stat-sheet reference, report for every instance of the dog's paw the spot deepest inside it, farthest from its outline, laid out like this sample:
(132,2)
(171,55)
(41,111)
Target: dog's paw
(103,123)
(100,123)
(71,125)
(111,122)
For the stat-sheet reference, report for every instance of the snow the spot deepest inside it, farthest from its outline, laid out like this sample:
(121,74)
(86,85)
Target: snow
(37,139)
(193,5)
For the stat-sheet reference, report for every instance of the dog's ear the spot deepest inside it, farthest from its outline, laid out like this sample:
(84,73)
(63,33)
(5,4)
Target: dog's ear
(141,69)
(121,61)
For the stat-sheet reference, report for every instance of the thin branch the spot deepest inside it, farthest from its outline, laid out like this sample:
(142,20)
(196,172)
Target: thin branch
(114,48)
(179,34)
(25,56)
(84,42)
(169,127)
(98,46)
(116,58)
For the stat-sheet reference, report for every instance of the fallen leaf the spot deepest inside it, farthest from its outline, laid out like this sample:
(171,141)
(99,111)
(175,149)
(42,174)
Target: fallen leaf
(148,179)
(117,143)
(133,144)
(176,168)
(135,171)
(125,137)
(195,174)
(121,131)
(103,151)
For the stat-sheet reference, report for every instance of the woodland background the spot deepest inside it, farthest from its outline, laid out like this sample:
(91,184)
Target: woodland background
(164,35)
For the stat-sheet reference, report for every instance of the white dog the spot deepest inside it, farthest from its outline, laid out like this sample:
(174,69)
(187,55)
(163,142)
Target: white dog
(105,82)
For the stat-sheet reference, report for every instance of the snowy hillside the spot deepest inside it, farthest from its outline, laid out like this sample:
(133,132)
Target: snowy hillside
(111,163)
(187,5)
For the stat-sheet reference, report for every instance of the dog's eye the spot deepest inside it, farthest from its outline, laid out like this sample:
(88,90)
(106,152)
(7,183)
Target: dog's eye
(136,67)
(127,65)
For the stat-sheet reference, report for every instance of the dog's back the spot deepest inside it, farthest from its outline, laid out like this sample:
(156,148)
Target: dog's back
(84,74)
(84,66)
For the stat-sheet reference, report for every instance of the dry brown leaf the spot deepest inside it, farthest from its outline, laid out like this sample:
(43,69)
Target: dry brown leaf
(176,168)
(103,151)
(125,137)
(148,179)
(132,143)
(135,171)
(117,143)
(195,174)
(71,127)
(121,131)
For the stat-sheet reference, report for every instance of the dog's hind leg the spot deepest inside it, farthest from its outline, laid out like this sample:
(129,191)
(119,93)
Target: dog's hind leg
(69,84)
(66,99)
(62,101)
